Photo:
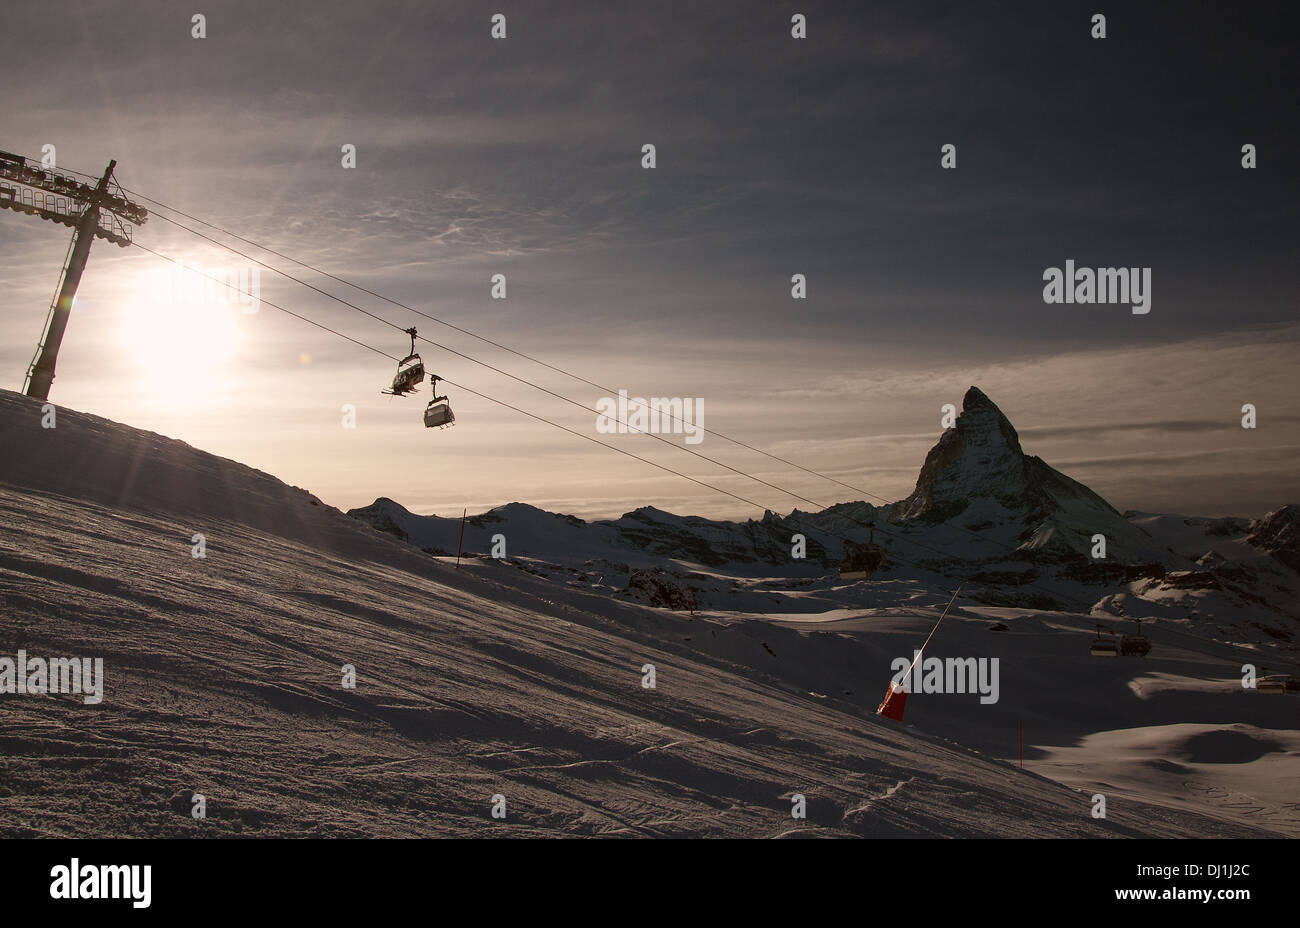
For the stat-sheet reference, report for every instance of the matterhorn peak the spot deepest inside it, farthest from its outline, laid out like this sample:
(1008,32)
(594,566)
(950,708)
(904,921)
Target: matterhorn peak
(980,415)
(978,475)
(980,456)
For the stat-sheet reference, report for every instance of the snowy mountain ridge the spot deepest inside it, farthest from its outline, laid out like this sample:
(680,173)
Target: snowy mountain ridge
(1015,529)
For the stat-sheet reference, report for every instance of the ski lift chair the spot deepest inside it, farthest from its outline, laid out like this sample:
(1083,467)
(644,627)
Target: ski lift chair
(438,413)
(861,561)
(410,371)
(1138,645)
(1103,648)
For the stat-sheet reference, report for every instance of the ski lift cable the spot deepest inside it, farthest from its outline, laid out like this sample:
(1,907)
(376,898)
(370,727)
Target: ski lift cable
(812,502)
(816,529)
(1005,547)
(531,415)
(473,392)
(536,386)
(378,318)
(486,340)
(505,373)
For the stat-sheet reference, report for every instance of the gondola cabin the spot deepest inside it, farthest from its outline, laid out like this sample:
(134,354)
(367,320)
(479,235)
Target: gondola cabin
(438,413)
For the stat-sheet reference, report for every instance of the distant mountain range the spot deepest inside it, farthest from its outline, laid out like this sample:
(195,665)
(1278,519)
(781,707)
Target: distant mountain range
(1010,526)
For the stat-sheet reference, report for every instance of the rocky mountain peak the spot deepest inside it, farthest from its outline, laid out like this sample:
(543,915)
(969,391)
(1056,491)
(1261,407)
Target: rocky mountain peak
(1278,533)
(980,456)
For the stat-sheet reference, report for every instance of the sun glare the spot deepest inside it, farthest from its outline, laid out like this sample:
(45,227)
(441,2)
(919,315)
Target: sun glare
(181,332)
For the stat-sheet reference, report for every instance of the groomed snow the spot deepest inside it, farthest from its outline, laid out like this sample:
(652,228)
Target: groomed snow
(223,679)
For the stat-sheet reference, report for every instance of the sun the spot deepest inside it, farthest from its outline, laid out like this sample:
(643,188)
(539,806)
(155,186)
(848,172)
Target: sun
(180,332)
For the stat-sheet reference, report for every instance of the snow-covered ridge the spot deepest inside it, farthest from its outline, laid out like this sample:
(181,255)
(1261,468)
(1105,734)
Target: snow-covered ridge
(984,512)
(92,459)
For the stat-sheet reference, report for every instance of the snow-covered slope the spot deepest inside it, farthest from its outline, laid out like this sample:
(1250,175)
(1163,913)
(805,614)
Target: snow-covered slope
(224,679)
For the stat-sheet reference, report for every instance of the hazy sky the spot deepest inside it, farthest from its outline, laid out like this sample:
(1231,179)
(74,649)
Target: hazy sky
(775,156)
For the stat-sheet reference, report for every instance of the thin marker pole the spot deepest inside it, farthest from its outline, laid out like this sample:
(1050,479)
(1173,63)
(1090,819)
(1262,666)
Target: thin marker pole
(908,675)
(460,544)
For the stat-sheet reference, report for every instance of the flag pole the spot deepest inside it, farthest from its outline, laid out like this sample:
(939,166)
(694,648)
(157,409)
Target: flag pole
(896,696)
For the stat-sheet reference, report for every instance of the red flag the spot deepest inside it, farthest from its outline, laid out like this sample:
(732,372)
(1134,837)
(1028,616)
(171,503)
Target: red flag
(892,705)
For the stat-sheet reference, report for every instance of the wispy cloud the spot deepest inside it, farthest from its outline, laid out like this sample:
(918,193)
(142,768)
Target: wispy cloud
(775,157)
